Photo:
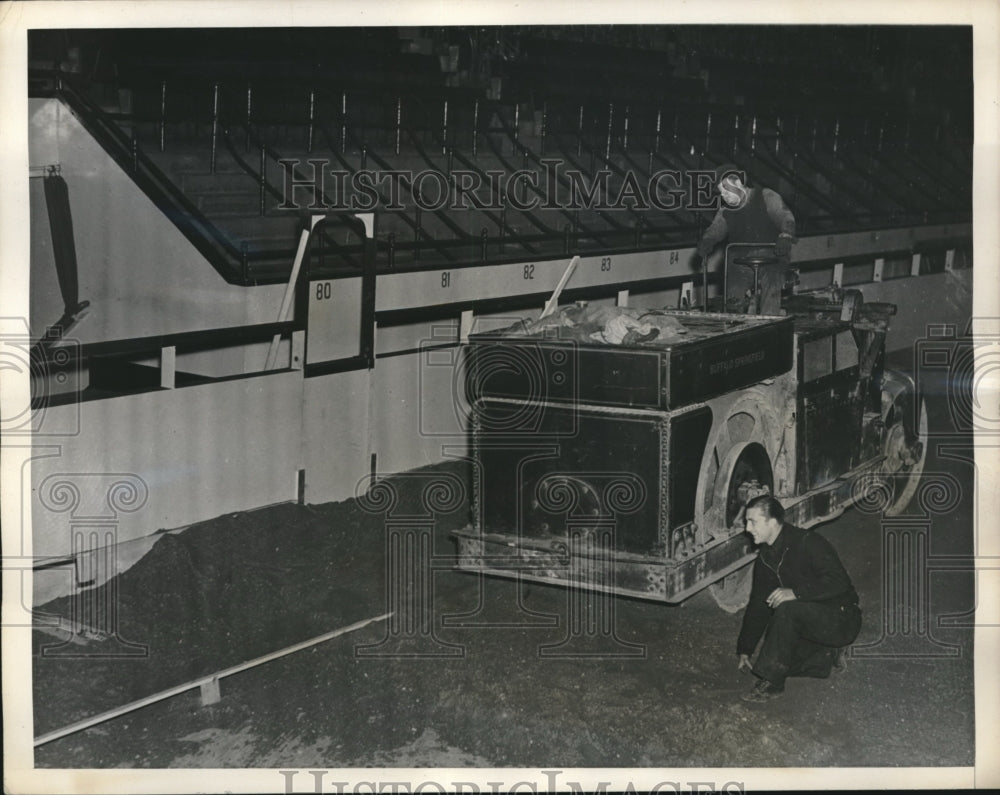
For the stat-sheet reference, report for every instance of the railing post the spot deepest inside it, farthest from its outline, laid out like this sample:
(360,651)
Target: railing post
(245,261)
(163,114)
(639,223)
(503,223)
(708,132)
(836,135)
(418,219)
(475,130)
(312,118)
(392,249)
(753,135)
(736,133)
(545,116)
(656,140)
(611,119)
(777,135)
(134,151)
(246,142)
(263,179)
(399,120)
(517,121)
(451,159)
(567,233)
(444,129)
(343,122)
(215,124)
(579,134)
(625,134)
(484,237)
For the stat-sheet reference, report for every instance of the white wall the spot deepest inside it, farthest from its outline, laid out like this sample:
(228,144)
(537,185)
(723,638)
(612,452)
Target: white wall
(933,298)
(140,274)
(186,455)
(334,413)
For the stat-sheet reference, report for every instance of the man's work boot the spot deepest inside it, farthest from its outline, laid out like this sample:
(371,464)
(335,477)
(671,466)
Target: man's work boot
(763,691)
(840,661)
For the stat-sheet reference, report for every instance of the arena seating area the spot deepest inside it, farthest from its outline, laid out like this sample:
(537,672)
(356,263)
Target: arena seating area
(840,132)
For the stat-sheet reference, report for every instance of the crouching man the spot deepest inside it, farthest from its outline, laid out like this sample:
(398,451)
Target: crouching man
(801,601)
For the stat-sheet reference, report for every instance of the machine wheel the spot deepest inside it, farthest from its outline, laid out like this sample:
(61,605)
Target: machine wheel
(751,475)
(732,592)
(905,450)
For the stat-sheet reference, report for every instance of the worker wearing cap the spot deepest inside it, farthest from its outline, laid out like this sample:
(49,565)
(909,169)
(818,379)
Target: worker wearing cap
(752,215)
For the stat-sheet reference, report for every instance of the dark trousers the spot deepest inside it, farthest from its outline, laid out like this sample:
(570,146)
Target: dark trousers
(802,640)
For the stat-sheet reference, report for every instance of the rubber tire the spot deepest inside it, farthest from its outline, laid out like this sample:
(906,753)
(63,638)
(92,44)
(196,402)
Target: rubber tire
(905,485)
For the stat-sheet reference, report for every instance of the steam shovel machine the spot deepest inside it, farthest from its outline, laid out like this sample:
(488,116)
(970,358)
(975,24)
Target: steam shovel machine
(615,448)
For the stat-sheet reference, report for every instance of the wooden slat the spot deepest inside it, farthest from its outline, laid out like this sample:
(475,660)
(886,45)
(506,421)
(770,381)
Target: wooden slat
(210,680)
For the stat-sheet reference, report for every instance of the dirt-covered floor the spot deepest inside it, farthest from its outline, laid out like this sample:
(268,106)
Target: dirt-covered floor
(501,678)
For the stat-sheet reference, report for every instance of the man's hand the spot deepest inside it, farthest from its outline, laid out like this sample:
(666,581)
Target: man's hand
(780,596)
(704,249)
(744,664)
(783,247)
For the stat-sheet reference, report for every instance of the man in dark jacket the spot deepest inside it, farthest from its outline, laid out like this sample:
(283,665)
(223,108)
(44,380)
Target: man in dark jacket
(801,597)
(751,215)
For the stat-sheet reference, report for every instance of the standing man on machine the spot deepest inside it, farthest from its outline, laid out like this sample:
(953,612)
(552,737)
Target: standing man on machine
(751,215)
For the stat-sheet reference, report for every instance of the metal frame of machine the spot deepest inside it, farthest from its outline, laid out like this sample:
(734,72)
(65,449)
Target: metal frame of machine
(625,468)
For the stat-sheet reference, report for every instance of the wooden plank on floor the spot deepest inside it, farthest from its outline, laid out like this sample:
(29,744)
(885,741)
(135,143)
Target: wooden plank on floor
(208,684)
